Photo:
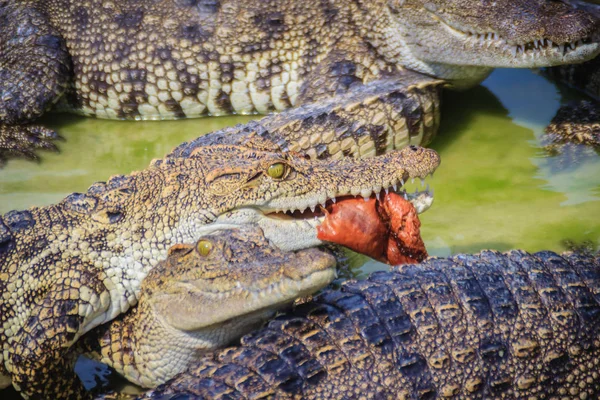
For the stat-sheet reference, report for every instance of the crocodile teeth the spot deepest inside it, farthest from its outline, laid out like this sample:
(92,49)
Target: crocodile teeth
(396,186)
(377,196)
(313,208)
(387,190)
(333,200)
(366,198)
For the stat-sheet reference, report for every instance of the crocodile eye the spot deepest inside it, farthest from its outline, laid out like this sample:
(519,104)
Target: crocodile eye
(204,247)
(277,170)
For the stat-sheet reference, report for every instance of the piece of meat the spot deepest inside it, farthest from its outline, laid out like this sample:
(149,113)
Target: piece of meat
(387,230)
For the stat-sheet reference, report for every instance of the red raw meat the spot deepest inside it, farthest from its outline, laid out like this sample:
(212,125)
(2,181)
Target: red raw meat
(387,230)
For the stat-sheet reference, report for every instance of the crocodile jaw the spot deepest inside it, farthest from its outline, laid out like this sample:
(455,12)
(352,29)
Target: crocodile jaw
(440,38)
(289,233)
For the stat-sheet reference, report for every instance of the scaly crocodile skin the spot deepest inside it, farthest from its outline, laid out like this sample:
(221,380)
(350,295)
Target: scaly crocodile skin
(369,120)
(202,297)
(485,326)
(67,268)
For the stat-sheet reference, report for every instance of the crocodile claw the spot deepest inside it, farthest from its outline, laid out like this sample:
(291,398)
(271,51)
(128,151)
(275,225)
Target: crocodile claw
(22,141)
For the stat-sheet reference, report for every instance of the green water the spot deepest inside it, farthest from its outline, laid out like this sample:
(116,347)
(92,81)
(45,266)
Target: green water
(496,188)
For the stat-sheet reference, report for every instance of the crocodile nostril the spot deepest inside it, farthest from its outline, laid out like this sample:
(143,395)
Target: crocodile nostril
(413,147)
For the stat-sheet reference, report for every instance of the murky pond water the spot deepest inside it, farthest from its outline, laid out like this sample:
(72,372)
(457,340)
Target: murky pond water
(496,187)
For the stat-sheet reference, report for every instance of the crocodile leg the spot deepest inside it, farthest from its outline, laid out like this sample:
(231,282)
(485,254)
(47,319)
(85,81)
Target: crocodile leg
(38,357)
(34,72)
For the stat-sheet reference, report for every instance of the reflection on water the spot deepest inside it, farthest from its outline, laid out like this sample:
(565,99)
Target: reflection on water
(496,188)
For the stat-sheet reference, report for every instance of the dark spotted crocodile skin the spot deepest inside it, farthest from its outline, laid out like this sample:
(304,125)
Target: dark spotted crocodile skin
(486,326)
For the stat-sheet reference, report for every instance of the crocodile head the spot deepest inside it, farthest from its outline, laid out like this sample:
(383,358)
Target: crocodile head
(285,193)
(227,282)
(462,40)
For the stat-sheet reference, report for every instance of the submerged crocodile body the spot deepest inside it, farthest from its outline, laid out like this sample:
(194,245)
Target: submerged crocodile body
(202,297)
(485,326)
(187,58)
(577,123)
(68,268)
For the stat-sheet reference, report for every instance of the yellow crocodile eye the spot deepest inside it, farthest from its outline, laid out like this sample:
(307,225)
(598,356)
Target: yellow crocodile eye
(204,247)
(277,170)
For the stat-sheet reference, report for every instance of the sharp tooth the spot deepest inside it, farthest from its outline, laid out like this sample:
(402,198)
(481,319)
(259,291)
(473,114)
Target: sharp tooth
(405,195)
(366,198)
(387,190)
(333,200)
(396,187)
(312,208)
(401,182)
(377,196)
(422,182)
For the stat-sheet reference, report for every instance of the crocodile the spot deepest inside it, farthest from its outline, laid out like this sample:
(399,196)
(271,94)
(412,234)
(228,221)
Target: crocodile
(202,297)
(575,124)
(171,59)
(67,268)
(486,326)
(578,122)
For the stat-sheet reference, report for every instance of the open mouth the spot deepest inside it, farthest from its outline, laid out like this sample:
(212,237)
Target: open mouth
(536,48)
(384,226)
